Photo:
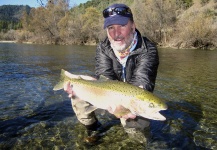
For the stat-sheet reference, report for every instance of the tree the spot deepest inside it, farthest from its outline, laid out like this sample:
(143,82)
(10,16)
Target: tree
(154,18)
(44,21)
(197,31)
(91,26)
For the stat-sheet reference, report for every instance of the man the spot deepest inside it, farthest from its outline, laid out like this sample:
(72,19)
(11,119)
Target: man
(125,56)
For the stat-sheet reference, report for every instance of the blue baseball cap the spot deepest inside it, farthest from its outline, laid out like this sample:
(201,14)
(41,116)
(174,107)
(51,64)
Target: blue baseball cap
(117,14)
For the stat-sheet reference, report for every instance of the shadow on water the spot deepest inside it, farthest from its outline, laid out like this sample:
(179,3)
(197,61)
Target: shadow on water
(177,131)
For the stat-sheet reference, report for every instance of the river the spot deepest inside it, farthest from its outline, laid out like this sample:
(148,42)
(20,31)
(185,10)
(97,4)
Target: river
(33,116)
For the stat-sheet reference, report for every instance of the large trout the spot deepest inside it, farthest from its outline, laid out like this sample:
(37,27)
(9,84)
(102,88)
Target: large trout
(105,93)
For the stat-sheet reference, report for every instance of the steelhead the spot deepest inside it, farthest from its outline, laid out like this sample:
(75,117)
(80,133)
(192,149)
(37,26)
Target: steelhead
(105,93)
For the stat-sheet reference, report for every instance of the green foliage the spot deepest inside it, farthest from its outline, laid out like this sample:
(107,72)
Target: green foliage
(91,26)
(8,25)
(3,25)
(184,3)
(12,12)
(188,3)
(210,13)
(10,16)
(203,2)
(44,21)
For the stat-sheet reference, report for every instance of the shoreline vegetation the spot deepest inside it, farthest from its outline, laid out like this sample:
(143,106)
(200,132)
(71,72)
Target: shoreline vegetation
(95,44)
(180,24)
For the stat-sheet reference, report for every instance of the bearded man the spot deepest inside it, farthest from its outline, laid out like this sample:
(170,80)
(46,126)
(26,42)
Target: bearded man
(126,56)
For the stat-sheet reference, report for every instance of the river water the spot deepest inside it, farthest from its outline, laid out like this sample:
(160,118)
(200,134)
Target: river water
(33,116)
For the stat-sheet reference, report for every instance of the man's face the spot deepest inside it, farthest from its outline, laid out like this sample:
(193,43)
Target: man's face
(121,36)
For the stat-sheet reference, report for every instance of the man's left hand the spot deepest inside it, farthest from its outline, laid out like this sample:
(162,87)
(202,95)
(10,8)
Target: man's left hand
(121,112)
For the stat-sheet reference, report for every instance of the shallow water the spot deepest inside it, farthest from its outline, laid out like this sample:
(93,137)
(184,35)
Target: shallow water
(33,116)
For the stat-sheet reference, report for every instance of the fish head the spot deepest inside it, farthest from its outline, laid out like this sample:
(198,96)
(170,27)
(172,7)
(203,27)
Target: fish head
(148,108)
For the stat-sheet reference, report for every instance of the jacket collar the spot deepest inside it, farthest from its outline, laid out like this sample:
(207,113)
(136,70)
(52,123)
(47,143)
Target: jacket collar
(141,46)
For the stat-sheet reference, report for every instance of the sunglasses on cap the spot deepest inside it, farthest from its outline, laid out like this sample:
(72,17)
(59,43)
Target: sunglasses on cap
(123,11)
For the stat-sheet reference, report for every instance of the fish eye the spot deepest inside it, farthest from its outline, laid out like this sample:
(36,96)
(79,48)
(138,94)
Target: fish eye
(151,105)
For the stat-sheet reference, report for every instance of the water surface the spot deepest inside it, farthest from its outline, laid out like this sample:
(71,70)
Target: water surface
(33,116)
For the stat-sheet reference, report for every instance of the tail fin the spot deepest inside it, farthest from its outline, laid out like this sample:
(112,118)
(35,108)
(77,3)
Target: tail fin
(60,84)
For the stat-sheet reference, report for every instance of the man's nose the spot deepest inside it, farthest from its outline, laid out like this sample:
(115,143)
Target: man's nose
(117,31)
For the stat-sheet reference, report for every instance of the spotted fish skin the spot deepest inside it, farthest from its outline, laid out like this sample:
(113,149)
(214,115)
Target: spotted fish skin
(105,93)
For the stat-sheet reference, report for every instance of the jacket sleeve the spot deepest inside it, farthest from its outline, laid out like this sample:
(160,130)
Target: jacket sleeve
(146,66)
(103,63)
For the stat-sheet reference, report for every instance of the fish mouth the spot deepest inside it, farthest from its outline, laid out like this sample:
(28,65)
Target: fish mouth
(160,116)
(154,116)
(165,108)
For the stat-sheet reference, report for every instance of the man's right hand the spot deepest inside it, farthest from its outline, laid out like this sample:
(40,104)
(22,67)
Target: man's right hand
(68,89)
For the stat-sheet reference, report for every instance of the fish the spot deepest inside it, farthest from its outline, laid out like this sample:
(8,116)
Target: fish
(105,93)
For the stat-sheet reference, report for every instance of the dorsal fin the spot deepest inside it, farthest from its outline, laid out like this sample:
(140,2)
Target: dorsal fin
(103,78)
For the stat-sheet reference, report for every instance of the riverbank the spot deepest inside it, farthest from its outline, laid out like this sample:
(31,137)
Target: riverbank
(8,42)
(16,42)
(172,46)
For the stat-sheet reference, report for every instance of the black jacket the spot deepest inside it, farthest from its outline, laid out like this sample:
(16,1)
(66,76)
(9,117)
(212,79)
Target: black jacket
(141,65)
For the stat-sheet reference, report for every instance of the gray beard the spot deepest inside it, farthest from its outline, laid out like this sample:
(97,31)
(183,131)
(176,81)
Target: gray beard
(123,47)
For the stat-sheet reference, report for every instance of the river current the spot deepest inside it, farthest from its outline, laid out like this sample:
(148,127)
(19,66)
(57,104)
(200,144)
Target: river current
(33,116)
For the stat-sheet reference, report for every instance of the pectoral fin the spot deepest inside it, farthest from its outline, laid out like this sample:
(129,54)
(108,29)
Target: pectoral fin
(103,78)
(90,109)
(58,86)
(119,111)
(122,112)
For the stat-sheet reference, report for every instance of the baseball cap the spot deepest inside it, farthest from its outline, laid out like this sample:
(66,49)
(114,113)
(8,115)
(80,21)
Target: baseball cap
(117,14)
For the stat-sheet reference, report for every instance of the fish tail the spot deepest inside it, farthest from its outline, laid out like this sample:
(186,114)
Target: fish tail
(60,84)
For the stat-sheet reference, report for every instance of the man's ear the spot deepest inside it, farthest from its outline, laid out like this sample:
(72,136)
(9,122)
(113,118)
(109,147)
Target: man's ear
(133,27)
(133,30)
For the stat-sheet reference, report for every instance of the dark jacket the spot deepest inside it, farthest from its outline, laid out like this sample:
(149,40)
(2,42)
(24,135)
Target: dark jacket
(141,65)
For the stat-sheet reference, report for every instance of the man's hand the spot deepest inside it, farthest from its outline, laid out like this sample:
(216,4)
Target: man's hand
(121,112)
(69,88)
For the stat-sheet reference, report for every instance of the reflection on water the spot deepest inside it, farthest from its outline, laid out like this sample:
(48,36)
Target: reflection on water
(32,116)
